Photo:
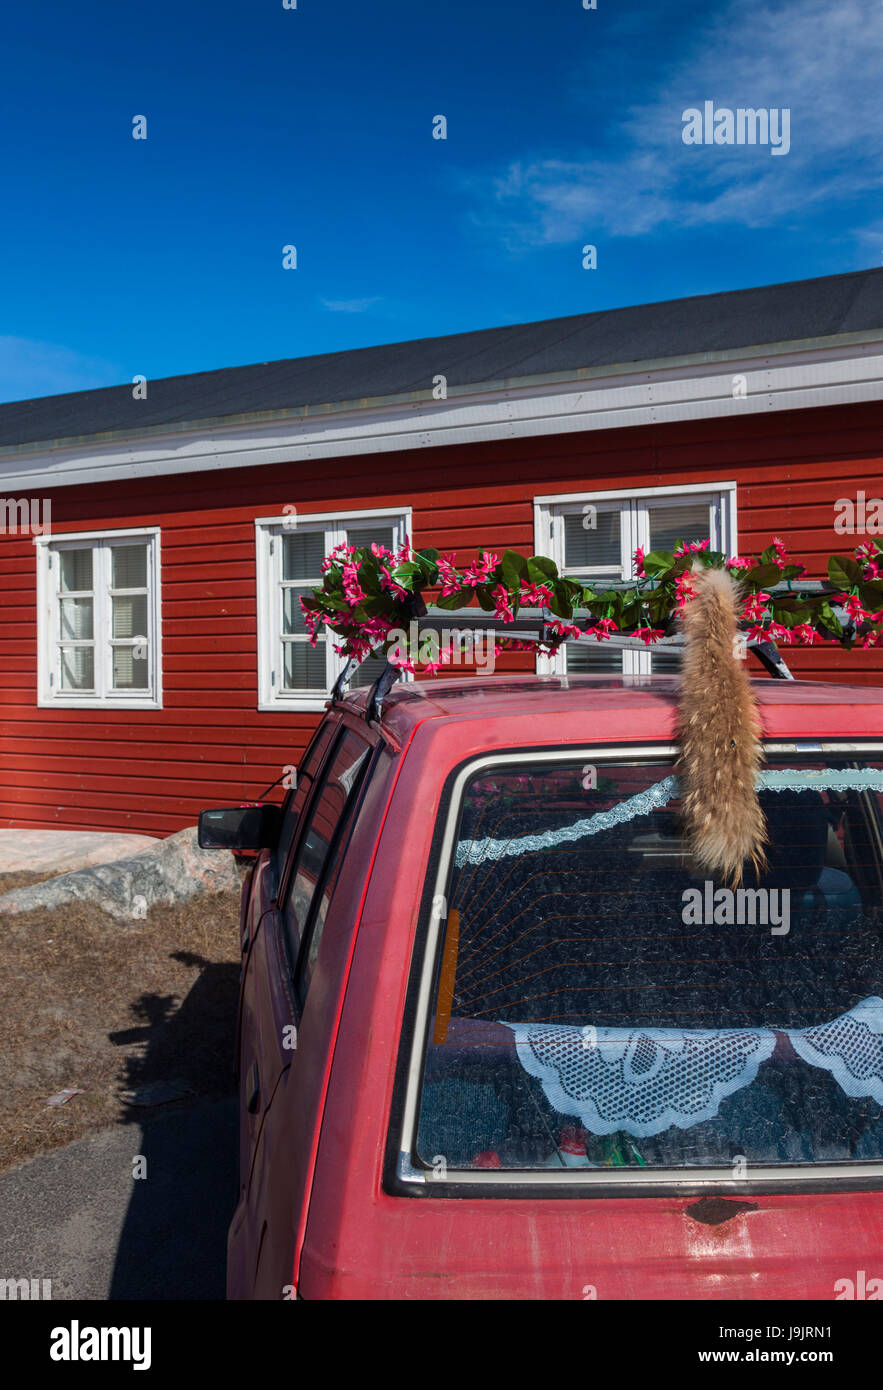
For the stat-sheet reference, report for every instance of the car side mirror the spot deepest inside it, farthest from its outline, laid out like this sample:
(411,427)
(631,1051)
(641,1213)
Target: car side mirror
(239,827)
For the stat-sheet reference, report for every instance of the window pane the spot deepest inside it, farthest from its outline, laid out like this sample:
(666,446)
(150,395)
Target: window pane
(130,616)
(75,618)
(369,671)
(76,569)
(665,663)
(314,846)
(77,668)
(592,539)
(303,666)
(597,660)
(688,521)
(302,555)
(295,800)
(368,535)
(599,1001)
(129,566)
(292,613)
(130,671)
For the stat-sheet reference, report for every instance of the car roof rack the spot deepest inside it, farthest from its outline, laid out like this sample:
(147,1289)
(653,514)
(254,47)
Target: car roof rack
(535,625)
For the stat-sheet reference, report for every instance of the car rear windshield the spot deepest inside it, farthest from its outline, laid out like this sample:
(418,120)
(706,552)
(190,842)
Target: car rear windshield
(600,1002)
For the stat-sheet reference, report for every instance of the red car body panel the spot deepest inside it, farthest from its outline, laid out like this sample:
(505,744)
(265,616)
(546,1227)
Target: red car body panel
(314,1215)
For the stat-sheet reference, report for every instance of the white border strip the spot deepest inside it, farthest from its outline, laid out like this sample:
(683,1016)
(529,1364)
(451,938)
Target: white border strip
(655,396)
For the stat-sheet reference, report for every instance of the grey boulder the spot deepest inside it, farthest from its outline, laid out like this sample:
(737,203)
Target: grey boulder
(172,871)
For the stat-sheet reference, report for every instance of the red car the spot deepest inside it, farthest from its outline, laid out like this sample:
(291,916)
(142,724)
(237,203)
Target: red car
(499,1038)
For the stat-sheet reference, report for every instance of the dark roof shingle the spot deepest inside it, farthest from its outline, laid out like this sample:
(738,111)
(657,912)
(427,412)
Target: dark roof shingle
(802,309)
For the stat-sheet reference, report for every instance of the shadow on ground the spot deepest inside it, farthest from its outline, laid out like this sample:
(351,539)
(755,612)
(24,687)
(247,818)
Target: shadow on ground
(173,1240)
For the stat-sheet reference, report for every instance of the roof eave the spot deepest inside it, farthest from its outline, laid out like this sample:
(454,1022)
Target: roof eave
(538,383)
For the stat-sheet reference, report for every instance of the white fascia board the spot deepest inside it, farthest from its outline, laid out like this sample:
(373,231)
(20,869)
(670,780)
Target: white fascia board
(844,375)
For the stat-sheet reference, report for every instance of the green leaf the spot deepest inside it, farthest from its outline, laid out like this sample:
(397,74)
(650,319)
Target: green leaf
(540,568)
(830,619)
(513,568)
(405,574)
(483,594)
(369,579)
(762,576)
(458,600)
(658,561)
(844,572)
(631,616)
(376,607)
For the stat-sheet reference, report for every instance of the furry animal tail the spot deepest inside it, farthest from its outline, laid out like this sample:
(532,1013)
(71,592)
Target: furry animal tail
(719,734)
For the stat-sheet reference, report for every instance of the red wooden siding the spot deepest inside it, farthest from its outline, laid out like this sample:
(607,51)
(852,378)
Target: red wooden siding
(152,770)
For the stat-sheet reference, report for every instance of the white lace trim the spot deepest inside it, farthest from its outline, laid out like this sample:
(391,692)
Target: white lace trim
(644,1080)
(660,794)
(850,1048)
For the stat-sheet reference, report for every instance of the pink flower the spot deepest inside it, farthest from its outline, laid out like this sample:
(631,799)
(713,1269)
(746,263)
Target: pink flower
(740,562)
(480,570)
(686,590)
(639,560)
(804,632)
(781,554)
(352,589)
(649,635)
(430,668)
(566,629)
(403,663)
(857,611)
(386,582)
(503,609)
(869,557)
(602,629)
(540,594)
(754,607)
(452,580)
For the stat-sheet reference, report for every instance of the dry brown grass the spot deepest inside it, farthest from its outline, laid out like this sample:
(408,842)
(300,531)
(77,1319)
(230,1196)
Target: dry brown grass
(87,1001)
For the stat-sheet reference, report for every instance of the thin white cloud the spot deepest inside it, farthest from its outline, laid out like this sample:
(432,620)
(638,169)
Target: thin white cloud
(350,306)
(821,59)
(30,368)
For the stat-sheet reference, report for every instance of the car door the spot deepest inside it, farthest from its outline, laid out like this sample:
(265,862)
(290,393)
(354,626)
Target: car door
(271,1038)
(257,1061)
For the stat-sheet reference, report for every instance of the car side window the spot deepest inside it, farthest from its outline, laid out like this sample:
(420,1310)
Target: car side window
(317,845)
(296,799)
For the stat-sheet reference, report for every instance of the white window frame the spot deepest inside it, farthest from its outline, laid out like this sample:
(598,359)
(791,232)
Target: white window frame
(50,695)
(271,695)
(633,504)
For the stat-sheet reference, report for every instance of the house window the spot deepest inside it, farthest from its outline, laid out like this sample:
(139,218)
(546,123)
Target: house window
(99,620)
(292,673)
(593,537)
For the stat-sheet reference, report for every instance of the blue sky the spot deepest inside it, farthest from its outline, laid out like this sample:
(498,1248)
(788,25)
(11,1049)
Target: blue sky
(313,127)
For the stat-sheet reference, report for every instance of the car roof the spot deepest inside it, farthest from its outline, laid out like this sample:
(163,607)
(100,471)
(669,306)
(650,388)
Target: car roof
(646,703)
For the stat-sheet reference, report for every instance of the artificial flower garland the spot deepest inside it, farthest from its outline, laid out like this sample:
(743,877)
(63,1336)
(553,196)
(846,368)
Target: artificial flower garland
(368,594)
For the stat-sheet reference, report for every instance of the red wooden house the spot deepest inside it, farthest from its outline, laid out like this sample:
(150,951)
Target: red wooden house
(154,545)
